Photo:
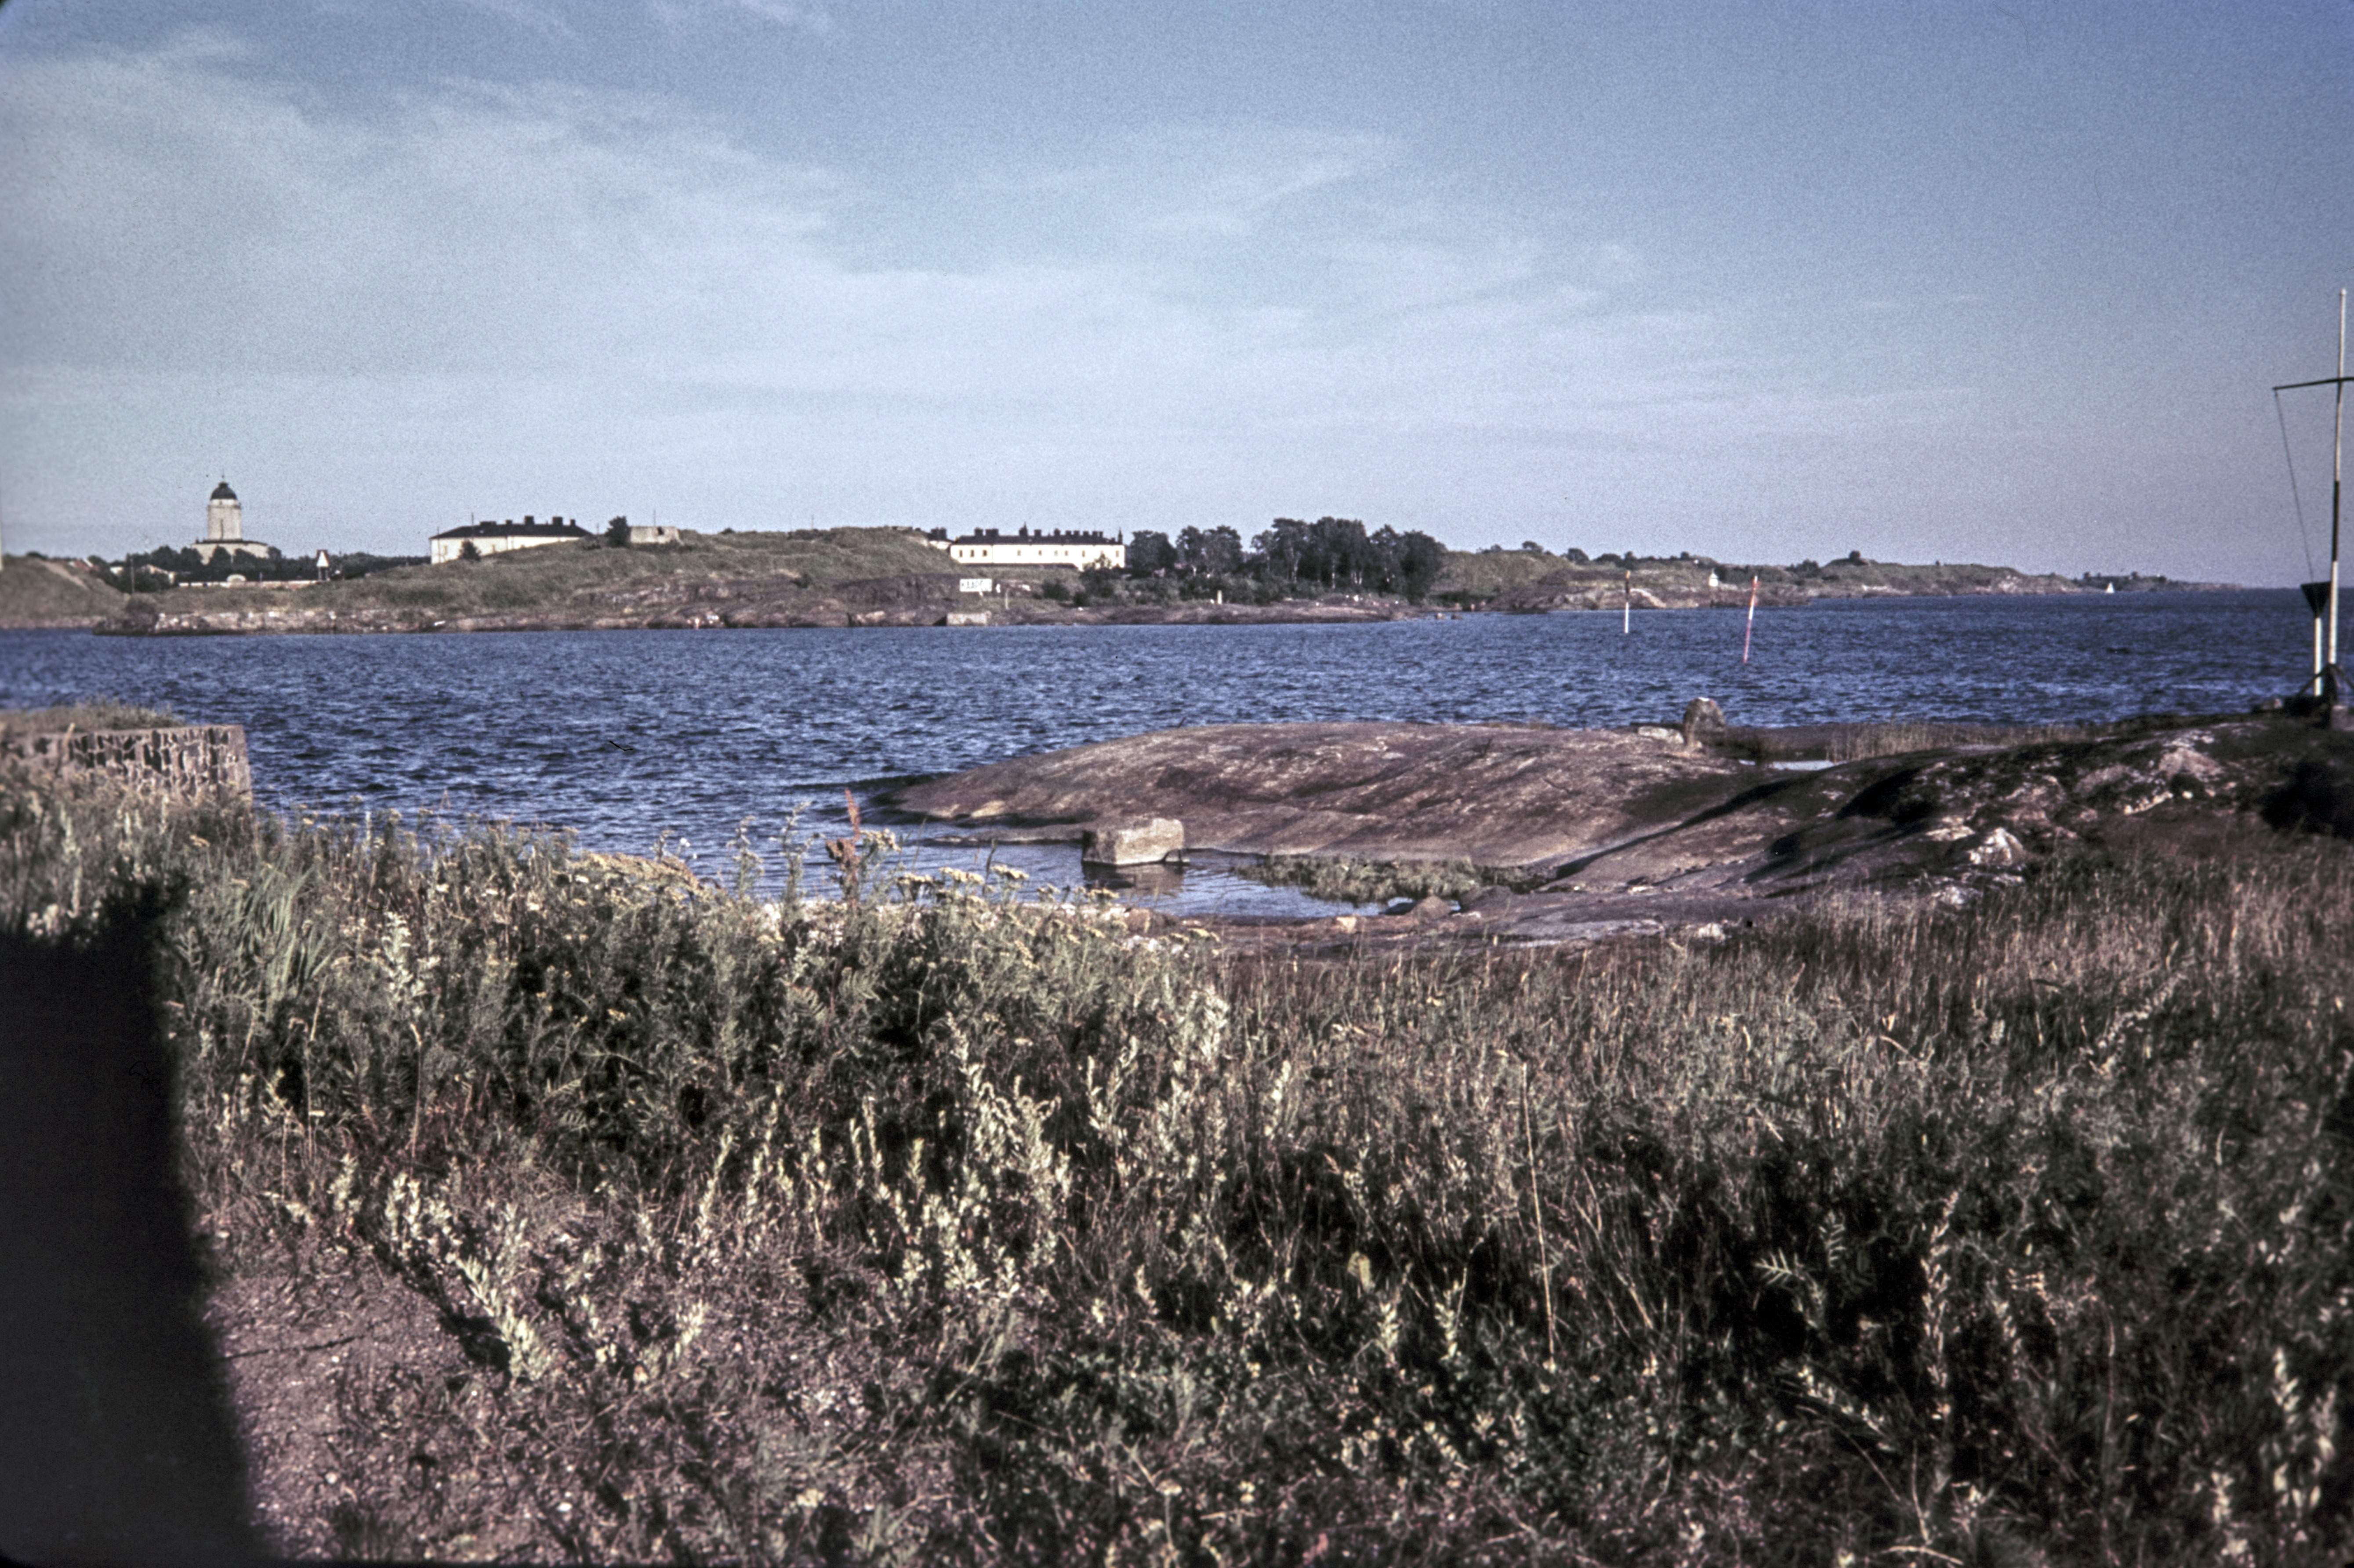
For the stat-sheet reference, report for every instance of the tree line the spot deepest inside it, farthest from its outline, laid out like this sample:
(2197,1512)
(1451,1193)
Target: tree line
(1333,554)
(153,571)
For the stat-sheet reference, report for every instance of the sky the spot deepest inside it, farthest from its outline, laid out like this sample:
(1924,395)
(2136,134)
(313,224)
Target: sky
(2000,282)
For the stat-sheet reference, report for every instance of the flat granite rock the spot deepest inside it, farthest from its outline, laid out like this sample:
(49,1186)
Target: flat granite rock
(1629,831)
(1502,795)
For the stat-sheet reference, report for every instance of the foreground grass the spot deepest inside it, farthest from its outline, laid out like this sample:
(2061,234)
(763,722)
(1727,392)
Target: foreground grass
(942,1228)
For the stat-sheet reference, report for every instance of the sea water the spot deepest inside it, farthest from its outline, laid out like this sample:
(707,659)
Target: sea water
(626,736)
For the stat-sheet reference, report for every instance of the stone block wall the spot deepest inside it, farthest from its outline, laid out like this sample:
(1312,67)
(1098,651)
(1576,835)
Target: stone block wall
(187,759)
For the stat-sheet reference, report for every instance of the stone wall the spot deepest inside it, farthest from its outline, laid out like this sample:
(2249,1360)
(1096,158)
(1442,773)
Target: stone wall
(189,759)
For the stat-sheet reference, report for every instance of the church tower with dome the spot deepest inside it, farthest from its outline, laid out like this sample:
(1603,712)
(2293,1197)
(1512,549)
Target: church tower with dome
(225,528)
(224,518)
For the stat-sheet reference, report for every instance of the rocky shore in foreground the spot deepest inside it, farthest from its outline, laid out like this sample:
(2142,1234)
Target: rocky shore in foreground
(1658,829)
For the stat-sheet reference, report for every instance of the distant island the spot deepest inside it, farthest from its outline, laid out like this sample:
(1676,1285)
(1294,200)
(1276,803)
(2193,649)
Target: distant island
(1331,569)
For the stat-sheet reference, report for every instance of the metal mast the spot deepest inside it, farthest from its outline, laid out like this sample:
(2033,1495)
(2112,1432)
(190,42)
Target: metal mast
(2331,676)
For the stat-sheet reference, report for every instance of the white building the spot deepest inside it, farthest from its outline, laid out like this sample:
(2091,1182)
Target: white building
(1024,547)
(492,538)
(225,528)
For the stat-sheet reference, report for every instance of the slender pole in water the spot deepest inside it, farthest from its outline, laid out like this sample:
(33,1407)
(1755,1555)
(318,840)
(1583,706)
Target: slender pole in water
(1752,626)
(1626,616)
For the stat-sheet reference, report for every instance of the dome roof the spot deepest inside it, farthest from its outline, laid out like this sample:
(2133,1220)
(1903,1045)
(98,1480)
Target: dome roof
(221,492)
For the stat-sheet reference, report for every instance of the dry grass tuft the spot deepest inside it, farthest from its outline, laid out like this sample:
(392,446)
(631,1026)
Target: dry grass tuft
(89,714)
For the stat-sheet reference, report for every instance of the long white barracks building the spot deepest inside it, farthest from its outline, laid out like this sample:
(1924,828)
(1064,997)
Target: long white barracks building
(1026,547)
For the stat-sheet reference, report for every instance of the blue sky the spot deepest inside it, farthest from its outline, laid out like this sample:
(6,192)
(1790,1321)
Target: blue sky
(2000,282)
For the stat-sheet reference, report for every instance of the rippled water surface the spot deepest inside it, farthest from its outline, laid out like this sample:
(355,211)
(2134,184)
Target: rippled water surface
(625,735)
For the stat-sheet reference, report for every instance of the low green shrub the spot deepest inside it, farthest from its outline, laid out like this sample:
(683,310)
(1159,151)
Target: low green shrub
(1347,880)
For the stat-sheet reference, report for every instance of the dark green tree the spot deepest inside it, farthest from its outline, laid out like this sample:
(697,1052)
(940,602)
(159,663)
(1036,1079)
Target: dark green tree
(1210,552)
(1150,554)
(1337,553)
(1283,549)
(1421,559)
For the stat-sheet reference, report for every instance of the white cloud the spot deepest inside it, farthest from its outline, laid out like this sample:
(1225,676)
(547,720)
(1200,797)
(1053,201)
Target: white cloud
(782,13)
(529,14)
(1232,181)
(420,306)
(807,17)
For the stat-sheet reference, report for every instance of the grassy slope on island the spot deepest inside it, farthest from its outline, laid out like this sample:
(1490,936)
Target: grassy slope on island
(1848,579)
(52,593)
(1477,577)
(556,577)
(965,1231)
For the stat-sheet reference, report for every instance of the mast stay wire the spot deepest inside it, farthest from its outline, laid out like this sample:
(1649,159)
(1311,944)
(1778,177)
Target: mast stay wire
(2304,534)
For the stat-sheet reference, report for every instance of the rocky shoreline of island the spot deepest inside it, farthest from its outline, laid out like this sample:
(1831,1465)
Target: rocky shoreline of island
(906,603)
(887,606)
